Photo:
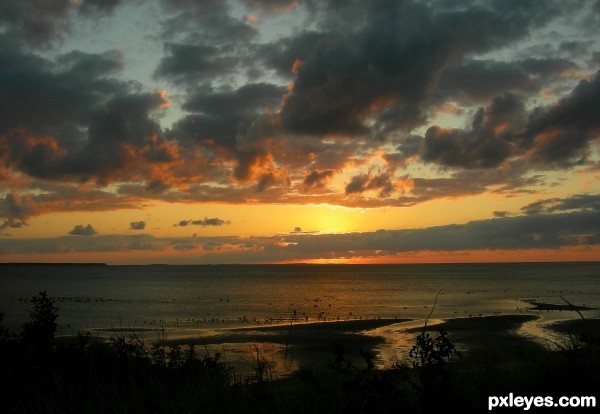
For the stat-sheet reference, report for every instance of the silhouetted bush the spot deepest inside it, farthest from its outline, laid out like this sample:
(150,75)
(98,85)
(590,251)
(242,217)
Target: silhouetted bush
(91,375)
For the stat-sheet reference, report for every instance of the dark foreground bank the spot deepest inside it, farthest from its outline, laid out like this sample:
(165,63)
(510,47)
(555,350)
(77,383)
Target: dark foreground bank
(126,375)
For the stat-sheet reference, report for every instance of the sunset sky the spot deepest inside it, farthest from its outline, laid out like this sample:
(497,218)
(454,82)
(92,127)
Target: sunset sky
(259,131)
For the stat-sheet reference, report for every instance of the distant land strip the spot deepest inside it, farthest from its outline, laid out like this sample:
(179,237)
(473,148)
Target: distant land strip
(51,264)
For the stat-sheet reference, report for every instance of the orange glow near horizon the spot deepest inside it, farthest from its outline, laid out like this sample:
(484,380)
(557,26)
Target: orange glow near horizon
(198,256)
(248,233)
(565,254)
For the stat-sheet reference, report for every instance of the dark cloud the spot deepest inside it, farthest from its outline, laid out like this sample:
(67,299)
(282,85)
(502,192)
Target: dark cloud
(510,180)
(581,202)
(382,182)
(67,119)
(318,178)
(272,6)
(487,142)
(14,207)
(248,100)
(11,224)
(206,222)
(206,21)
(282,54)
(482,80)
(595,60)
(409,147)
(48,96)
(236,126)
(575,48)
(14,211)
(545,231)
(558,134)
(124,122)
(273,118)
(215,43)
(81,230)
(384,71)
(36,22)
(546,68)
(189,63)
(93,6)
(224,115)
(561,133)
(137,225)
(41,22)
(273,178)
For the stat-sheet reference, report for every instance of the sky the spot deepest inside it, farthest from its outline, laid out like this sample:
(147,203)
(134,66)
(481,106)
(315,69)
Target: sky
(299,131)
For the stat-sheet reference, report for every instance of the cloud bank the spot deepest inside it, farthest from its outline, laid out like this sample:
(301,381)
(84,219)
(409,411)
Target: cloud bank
(577,225)
(356,104)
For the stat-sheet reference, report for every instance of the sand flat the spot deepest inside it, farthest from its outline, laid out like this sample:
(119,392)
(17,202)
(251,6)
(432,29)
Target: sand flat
(318,343)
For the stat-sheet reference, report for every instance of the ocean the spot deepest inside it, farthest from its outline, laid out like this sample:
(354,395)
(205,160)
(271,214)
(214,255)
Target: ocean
(187,299)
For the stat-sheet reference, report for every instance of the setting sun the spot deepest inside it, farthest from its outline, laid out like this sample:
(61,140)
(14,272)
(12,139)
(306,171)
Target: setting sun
(156,134)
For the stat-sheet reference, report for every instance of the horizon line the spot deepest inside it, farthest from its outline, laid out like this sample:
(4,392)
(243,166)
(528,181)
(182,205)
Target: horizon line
(292,264)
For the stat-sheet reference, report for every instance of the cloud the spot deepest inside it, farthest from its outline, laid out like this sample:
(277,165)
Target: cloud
(579,202)
(40,23)
(531,231)
(12,206)
(206,222)
(561,133)
(524,232)
(295,115)
(318,178)
(188,62)
(213,43)
(9,223)
(224,116)
(272,6)
(103,6)
(14,211)
(206,20)
(68,120)
(553,135)
(381,73)
(81,230)
(137,225)
(482,80)
(41,93)
(382,182)
(485,144)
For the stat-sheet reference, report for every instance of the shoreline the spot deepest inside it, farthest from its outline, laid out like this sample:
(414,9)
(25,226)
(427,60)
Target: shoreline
(318,343)
(287,347)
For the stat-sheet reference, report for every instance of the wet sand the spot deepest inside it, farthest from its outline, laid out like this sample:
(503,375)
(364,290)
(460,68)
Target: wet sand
(318,344)
(495,336)
(307,344)
(577,327)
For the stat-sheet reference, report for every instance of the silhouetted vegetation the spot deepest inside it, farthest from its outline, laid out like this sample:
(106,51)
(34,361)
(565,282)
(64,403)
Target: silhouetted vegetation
(123,374)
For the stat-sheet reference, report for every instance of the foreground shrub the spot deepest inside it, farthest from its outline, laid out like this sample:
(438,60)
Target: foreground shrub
(122,374)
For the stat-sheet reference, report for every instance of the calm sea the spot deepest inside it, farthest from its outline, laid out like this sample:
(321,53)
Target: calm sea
(189,298)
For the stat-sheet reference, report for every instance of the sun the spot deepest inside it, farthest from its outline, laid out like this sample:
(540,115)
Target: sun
(334,220)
